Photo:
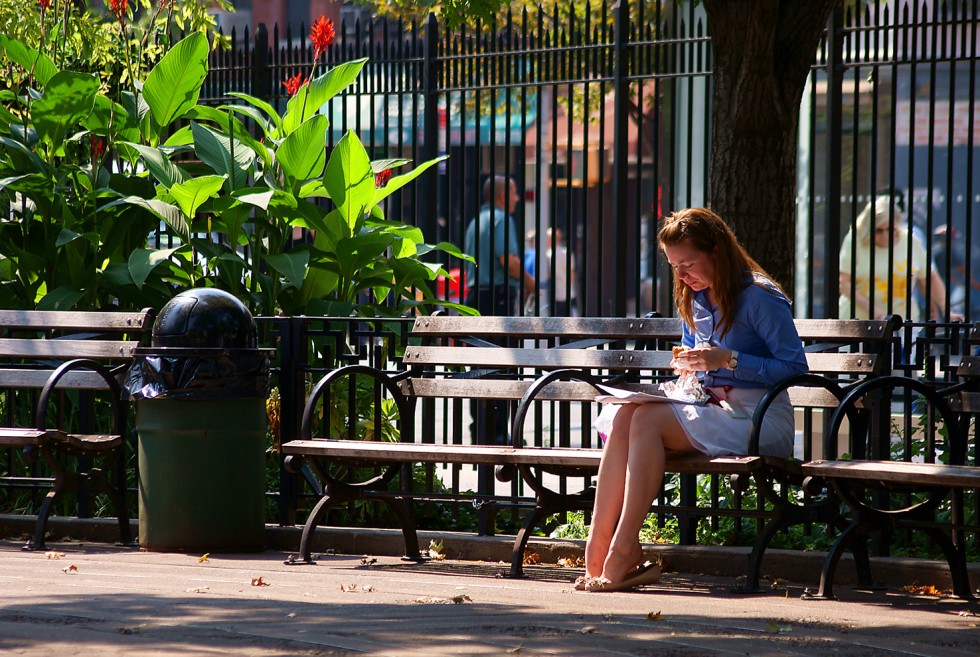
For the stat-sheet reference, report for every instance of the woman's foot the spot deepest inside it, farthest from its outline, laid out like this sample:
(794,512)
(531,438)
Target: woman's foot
(619,563)
(648,573)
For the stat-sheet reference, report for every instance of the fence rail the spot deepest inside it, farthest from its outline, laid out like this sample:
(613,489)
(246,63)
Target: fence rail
(603,122)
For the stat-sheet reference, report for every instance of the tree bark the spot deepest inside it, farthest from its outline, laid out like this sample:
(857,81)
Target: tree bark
(762,54)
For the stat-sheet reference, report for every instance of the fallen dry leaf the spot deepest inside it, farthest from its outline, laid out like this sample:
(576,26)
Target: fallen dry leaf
(654,616)
(200,589)
(455,600)
(70,569)
(54,555)
(571,562)
(368,561)
(588,629)
(204,557)
(436,550)
(927,589)
(531,558)
(514,650)
(258,581)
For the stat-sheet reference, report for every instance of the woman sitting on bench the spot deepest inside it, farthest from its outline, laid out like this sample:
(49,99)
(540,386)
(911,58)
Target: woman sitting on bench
(739,339)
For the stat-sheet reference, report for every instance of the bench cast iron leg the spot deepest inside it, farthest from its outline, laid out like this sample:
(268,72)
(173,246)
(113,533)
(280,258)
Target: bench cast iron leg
(309,529)
(405,514)
(520,543)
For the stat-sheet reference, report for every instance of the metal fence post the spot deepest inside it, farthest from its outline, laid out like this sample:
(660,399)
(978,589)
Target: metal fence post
(835,100)
(261,74)
(615,304)
(427,205)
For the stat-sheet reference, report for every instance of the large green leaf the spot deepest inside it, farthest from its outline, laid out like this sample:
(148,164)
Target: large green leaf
(60,298)
(225,157)
(230,125)
(169,214)
(28,58)
(68,98)
(21,156)
(195,192)
(293,266)
(260,111)
(397,182)
(349,179)
(256,196)
(143,261)
(304,152)
(174,84)
(311,97)
(166,172)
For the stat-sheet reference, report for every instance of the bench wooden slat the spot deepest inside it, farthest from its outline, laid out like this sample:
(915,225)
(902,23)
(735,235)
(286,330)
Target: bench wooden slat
(87,321)
(499,357)
(833,330)
(600,359)
(24,378)
(550,327)
(558,391)
(66,349)
(495,455)
(501,389)
(666,328)
(935,475)
(823,363)
(20,437)
(969,366)
(966,402)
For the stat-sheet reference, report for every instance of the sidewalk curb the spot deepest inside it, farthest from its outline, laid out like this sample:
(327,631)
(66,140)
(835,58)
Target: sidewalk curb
(789,565)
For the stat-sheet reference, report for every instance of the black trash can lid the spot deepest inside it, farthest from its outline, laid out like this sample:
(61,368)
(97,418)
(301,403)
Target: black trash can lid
(205,318)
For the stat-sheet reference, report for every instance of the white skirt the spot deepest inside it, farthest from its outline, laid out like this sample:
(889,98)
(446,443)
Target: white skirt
(716,432)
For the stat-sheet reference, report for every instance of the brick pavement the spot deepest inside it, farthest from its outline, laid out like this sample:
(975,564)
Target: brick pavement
(96,599)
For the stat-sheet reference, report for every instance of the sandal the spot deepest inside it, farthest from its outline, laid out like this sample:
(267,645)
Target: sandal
(648,573)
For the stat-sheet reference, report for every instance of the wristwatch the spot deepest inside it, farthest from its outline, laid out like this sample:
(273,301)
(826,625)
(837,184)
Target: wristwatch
(733,360)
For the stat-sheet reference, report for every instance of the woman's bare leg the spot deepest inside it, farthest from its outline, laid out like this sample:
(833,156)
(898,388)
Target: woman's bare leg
(610,489)
(653,429)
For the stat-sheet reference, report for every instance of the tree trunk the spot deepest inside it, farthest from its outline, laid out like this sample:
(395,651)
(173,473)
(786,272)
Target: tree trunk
(762,55)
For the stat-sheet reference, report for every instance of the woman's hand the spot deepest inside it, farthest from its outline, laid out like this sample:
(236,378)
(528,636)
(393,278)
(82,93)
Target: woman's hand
(701,359)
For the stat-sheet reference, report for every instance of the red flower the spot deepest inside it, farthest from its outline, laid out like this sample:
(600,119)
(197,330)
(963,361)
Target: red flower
(294,83)
(381,178)
(321,35)
(98,147)
(44,3)
(119,9)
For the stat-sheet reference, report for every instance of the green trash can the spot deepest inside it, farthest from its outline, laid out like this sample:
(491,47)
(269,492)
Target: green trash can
(200,392)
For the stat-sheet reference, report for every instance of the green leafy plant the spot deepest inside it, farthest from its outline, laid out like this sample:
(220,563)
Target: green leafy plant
(226,202)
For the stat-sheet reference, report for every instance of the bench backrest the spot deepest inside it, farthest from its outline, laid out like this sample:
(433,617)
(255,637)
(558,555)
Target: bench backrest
(35,342)
(499,356)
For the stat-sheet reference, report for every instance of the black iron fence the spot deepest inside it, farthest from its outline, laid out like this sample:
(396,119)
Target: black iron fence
(603,119)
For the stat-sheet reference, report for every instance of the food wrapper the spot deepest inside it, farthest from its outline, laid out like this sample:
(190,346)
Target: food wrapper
(687,389)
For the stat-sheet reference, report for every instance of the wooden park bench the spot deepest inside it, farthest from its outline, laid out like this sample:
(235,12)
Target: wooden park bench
(523,361)
(45,358)
(899,480)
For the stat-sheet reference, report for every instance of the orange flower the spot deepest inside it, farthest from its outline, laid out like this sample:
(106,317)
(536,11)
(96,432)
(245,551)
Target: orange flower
(381,178)
(294,83)
(119,9)
(321,35)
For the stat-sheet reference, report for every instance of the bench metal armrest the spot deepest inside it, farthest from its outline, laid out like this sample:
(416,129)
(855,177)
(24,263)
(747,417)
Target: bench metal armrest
(118,415)
(387,381)
(936,398)
(797,380)
(517,427)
